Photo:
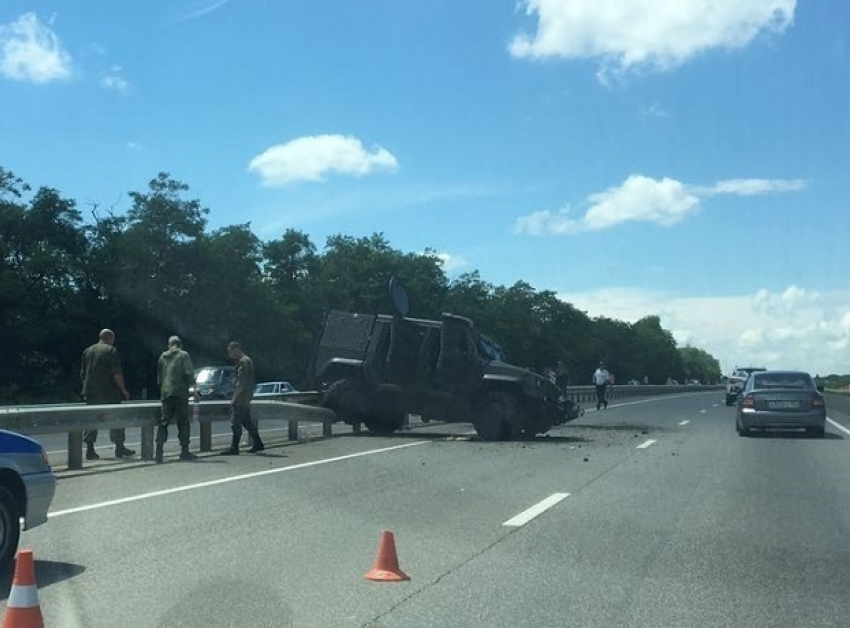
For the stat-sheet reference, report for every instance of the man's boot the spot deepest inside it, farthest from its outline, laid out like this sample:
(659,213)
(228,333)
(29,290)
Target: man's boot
(258,443)
(91,454)
(233,450)
(185,454)
(122,452)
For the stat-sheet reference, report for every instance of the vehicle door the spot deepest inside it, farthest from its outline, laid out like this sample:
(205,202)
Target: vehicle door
(458,368)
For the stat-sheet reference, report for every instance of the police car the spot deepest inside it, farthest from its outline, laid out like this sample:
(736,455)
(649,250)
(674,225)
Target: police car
(27,485)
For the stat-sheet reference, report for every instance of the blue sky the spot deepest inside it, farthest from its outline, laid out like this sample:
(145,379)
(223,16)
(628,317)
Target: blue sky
(687,159)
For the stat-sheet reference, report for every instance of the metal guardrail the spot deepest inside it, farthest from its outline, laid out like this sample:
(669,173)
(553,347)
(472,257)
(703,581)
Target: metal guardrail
(75,418)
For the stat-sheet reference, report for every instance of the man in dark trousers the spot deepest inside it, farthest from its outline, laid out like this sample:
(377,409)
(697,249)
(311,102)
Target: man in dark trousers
(601,379)
(103,382)
(240,405)
(175,375)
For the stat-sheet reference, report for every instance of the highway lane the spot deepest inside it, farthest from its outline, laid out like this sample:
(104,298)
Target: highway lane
(670,534)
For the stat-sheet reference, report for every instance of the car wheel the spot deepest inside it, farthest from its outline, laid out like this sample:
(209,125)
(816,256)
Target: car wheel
(816,432)
(383,425)
(345,399)
(742,431)
(730,400)
(10,528)
(496,415)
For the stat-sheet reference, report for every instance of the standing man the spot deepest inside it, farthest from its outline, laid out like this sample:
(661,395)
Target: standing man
(103,383)
(175,375)
(600,380)
(240,405)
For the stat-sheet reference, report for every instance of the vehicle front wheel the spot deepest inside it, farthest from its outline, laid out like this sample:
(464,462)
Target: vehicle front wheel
(383,425)
(496,416)
(10,528)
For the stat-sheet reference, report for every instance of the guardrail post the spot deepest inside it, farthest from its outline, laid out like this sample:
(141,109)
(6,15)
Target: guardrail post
(147,442)
(75,450)
(206,435)
(293,429)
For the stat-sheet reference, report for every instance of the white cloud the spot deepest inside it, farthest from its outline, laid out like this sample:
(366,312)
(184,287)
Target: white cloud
(114,80)
(639,198)
(654,110)
(630,35)
(202,9)
(792,328)
(451,263)
(31,51)
(134,147)
(313,157)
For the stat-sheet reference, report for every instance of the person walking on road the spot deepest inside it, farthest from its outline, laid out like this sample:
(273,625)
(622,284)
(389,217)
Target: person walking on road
(175,375)
(601,379)
(103,383)
(240,404)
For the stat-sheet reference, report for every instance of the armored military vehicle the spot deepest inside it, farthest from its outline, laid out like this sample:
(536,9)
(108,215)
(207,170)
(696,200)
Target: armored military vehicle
(375,369)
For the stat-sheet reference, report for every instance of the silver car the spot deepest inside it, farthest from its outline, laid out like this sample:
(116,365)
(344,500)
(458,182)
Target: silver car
(781,400)
(27,485)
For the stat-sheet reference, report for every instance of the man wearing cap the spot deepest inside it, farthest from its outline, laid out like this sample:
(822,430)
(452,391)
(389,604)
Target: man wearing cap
(175,375)
(601,379)
(103,383)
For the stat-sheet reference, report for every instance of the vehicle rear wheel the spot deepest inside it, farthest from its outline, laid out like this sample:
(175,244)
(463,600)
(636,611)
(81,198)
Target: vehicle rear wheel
(497,415)
(816,432)
(742,431)
(10,528)
(730,400)
(383,425)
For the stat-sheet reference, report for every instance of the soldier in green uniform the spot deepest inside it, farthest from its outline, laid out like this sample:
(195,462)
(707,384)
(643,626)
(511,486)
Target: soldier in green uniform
(240,405)
(175,375)
(103,382)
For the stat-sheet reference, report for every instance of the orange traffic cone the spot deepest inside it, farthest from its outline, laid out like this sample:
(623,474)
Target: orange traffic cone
(386,567)
(22,609)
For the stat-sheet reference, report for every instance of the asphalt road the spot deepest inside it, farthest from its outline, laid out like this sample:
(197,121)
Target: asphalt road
(671,519)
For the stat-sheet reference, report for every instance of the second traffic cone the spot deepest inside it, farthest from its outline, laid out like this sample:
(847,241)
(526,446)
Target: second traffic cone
(22,608)
(386,567)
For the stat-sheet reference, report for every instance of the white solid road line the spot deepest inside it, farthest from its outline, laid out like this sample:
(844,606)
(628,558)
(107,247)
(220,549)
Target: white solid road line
(647,443)
(838,426)
(233,478)
(538,509)
(685,422)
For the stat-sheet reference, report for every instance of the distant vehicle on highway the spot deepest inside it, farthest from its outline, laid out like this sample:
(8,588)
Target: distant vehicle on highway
(268,389)
(27,486)
(735,382)
(781,400)
(215,382)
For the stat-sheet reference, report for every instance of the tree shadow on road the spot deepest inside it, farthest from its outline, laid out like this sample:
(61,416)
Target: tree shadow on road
(47,572)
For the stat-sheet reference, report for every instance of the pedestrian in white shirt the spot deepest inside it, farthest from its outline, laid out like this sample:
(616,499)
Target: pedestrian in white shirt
(601,378)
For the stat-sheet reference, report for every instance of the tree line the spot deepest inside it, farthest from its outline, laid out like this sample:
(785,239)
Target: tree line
(157,269)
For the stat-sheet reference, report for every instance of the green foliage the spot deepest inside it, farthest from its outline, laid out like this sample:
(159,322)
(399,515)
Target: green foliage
(157,270)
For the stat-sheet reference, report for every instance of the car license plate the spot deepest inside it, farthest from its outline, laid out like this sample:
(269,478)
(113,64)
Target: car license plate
(783,405)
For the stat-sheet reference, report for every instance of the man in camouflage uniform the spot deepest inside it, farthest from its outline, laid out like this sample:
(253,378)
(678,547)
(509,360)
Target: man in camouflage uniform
(103,383)
(175,375)
(240,405)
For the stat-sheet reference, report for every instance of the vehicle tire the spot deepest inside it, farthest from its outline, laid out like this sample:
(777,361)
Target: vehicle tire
(730,400)
(496,416)
(10,528)
(742,431)
(345,398)
(816,432)
(383,425)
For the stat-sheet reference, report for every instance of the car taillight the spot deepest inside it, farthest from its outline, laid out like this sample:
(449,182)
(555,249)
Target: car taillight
(749,401)
(45,458)
(818,402)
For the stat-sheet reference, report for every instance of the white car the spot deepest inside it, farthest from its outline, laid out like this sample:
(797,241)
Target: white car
(27,485)
(268,389)
(735,382)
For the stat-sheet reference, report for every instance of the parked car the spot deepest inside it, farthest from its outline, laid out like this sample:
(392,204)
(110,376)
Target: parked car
(215,382)
(27,486)
(736,381)
(268,389)
(781,400)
